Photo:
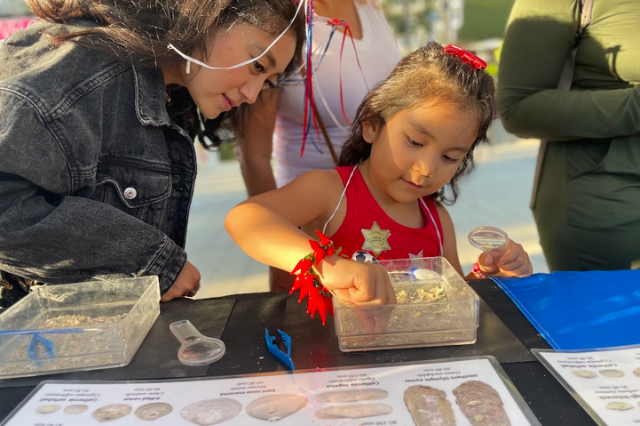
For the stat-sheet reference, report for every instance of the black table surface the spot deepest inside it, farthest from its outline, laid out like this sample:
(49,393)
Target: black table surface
(247,353)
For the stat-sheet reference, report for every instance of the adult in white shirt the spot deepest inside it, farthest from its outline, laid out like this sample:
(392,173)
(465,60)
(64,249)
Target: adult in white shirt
(276,124)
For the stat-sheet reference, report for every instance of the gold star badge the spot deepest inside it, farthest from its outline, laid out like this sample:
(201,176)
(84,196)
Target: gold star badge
(376,239)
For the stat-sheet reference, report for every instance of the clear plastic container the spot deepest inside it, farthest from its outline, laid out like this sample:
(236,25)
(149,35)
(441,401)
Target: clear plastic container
(76,327)
(435,307)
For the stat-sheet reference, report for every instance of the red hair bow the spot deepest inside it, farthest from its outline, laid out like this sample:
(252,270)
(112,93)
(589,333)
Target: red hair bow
(466,56)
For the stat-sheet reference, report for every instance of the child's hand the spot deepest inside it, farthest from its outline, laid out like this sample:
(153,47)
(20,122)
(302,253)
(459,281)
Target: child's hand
(514,262)
(365,285)
(357,283)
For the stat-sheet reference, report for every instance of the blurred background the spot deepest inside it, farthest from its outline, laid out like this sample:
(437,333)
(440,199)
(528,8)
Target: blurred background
(496,193)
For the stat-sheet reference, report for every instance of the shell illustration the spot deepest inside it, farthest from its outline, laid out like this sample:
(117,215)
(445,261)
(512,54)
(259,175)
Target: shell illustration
(353,395)
(637,372)
(211,411)
(585,374)
(48,408)
(76,409)
(354,411)
(276,407)
(111,412)
(619,406)
(612,373)
(153,411)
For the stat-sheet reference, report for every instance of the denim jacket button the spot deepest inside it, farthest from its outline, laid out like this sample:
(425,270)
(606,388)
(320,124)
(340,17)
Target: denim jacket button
(130,193)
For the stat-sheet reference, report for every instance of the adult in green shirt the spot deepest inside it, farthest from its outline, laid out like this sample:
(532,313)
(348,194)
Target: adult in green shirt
(587,205)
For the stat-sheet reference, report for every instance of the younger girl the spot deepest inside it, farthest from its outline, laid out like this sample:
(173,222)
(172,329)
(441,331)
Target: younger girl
(413,134)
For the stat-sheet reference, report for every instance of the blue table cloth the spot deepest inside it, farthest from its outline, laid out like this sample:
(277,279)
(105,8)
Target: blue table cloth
(580,310)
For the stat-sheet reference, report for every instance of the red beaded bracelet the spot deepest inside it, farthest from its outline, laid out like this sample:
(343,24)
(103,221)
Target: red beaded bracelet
(309,283)
(478,271)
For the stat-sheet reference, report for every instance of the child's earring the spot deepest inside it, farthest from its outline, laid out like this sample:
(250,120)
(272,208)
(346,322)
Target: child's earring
(188,67)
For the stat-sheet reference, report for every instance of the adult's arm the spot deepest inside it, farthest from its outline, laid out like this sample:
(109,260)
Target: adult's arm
(50,235)
(539,37)
(255,144)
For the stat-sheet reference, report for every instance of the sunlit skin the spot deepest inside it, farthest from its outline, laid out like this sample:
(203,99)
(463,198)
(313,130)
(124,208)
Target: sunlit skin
(415,154)
(216,91)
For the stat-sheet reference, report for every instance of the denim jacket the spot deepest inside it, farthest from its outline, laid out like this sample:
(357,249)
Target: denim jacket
(95,178)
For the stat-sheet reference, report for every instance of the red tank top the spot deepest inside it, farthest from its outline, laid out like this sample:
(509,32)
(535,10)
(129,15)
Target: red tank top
(367,227)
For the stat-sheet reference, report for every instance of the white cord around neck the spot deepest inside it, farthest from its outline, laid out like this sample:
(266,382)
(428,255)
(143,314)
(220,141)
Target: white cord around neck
(435,226)
(344,192)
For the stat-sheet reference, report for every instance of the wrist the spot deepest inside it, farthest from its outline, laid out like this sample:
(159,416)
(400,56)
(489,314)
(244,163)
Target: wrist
(308,271)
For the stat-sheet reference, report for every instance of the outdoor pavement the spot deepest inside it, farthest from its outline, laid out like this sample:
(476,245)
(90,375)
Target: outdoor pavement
(496,193)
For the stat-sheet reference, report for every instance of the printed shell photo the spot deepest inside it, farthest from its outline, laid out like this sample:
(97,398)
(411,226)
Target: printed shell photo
(481,404)
(276,407)
(429,406)
(352,395)
(211,411)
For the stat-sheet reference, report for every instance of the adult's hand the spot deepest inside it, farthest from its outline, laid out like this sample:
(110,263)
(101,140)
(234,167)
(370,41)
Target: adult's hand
(187,283)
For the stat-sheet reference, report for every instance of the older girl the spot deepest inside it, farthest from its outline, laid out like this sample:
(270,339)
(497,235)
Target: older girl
(99,102)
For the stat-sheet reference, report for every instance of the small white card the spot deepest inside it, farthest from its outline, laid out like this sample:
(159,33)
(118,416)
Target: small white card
(605,382)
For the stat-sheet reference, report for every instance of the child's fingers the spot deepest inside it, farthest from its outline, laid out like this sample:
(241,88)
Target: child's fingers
(391,294)
(486,264)
(514,250)
(524,270)
(512,266)
(373,287)
(366,319)
(343,295)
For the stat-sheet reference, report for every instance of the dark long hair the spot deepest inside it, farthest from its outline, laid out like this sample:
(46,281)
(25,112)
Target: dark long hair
(139,31)
(426,74)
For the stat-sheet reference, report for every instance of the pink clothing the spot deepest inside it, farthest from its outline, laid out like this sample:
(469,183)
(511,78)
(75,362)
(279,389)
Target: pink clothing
(366,227)
(378,53)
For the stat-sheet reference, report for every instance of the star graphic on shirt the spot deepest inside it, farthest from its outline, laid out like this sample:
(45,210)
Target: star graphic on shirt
(414,256)
(376,239)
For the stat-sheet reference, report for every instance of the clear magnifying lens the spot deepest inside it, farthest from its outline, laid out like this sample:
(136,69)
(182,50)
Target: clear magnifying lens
(488,238)
(196,349)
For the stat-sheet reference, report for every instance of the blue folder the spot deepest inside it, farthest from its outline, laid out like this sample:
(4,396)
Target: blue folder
(580,310)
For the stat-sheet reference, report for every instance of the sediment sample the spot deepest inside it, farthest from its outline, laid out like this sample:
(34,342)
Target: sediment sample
(76,409)
(481,404)
(211,411)
(353,411)
(111,412)
(585,374)
(153,411)
(48,408)
(353,395)
(429,406)
(276,407)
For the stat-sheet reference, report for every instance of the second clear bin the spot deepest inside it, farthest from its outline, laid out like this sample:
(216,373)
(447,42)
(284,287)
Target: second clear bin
(435,307)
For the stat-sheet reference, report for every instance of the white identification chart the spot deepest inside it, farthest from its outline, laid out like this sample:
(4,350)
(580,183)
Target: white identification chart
(467,392)
(605,382)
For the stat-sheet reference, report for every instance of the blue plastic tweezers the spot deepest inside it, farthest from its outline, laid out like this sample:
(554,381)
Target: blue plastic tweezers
(32,349)
(284,357)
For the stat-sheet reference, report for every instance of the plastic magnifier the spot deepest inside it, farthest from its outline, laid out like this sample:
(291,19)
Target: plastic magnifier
(196,349)
(488,238)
